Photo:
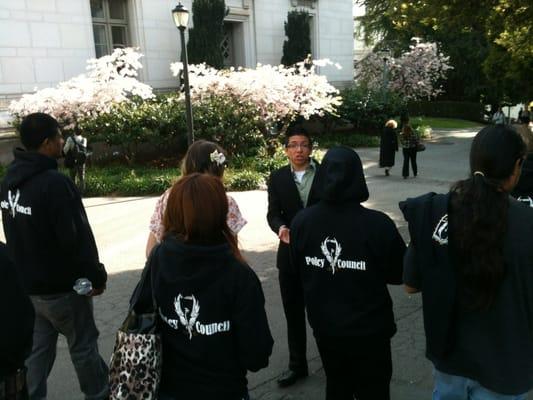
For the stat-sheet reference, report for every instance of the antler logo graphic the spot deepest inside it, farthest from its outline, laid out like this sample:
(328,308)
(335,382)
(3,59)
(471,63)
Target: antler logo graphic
(13,201)
(333,256)
(188,317)
(440,235)
(526,199)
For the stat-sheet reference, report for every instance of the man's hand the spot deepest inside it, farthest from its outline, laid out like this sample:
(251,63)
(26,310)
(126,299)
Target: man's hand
(284,234)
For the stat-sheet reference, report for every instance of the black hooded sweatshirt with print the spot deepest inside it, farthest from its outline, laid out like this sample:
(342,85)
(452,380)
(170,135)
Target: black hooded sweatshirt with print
(213,321)
(47,232)
(346,254)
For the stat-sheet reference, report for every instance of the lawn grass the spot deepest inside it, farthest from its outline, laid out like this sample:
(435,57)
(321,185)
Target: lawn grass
(445,123)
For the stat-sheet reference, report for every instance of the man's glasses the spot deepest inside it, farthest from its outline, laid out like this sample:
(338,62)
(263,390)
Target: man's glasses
(303,146)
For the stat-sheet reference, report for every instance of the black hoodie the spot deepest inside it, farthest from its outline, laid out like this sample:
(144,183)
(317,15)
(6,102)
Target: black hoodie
(16,309)
(494,346)
(346,254)
(48,235)
(524,189)
(213,320)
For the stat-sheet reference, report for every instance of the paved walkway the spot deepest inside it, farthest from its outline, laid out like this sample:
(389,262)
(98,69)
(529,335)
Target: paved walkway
(120,227)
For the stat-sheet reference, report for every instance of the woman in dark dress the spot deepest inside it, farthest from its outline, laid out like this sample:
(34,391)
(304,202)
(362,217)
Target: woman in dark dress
(388,146)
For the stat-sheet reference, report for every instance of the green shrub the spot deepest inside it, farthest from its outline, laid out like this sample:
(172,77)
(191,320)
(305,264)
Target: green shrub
(348,139)
(448,109)
(368,110)
(234,124)
(243,180)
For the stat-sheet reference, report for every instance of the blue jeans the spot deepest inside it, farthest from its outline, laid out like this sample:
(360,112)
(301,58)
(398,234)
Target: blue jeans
(453,387)
(72,316)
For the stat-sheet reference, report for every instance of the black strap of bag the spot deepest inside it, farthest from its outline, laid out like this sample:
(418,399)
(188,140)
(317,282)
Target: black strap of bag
(144,321)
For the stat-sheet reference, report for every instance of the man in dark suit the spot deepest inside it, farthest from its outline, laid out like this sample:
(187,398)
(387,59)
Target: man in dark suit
(290,189)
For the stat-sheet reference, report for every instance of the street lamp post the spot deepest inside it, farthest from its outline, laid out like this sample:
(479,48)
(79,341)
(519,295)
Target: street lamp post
(181,19)
(385,54)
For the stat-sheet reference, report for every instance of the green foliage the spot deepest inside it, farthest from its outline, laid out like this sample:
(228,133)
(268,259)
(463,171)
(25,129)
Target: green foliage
(488,41)
(243,180)
(207,34)
(235,124)
(447,109)
(354,140)
(368,110)
(298,43)
(129,124)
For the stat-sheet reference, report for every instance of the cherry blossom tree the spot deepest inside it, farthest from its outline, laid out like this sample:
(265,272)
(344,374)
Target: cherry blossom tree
(416,74)
(109,80)
(280,93)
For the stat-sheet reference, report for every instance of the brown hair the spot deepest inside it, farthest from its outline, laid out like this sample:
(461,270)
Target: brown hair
(198,159)
(197,210)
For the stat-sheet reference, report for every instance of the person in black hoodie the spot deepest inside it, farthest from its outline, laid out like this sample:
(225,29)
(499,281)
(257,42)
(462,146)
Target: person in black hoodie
(346,255)
(211,305)
(523,191)
(51,244)
(471,257)
(16,338)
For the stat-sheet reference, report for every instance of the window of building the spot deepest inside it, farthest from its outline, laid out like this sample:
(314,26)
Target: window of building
(110,25)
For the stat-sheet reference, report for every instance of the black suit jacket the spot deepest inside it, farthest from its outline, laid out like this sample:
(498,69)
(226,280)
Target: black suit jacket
(283,204)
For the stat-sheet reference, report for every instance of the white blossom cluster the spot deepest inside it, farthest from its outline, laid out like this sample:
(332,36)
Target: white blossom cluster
(279,92)
(109,80)
(416,74)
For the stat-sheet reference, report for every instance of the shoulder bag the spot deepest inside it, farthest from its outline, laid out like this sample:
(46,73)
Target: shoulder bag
(135,366)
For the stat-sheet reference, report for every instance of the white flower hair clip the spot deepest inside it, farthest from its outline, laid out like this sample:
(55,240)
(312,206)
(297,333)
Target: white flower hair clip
(217,157)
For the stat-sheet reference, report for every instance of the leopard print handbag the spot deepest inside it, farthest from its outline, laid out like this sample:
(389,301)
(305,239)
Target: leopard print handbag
(135,366)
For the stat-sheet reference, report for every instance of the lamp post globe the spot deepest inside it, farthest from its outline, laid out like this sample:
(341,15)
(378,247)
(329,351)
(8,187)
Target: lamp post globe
(181,18)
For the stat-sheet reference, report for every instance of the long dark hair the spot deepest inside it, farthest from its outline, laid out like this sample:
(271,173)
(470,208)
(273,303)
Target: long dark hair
(197,210)
(198,159)
(478,215)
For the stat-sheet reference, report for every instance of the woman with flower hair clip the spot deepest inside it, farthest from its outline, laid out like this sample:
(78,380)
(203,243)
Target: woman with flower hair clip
(203,157)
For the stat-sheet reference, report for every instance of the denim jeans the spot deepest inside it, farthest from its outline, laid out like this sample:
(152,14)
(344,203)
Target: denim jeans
(71,315)
(453,387)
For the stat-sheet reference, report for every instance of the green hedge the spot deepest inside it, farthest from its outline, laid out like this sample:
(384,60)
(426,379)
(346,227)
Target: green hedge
(448,109)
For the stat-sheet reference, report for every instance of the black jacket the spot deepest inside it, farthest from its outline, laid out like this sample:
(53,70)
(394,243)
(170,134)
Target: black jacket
(17,315)
(495,346)
(48,235)
(524,189)
(346,254)
(223,302)
(284,203)
(388,147)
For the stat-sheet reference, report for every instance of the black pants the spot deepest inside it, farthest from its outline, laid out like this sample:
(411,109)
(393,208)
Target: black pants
(359,367)
(294,307)
(409,154)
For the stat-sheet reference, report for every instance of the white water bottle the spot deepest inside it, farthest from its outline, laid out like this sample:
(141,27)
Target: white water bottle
(83,286)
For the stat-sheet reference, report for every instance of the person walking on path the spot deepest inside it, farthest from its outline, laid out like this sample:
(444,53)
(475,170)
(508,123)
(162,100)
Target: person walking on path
(16,337)
(388,146)
(213,321)
(346,255)
(409,140)
(76,152)
(52,246)
(499,117)
(470,256)
(290,189)
(203,157)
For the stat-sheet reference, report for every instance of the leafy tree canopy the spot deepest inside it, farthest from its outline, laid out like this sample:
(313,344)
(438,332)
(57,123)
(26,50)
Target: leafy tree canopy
(490,42)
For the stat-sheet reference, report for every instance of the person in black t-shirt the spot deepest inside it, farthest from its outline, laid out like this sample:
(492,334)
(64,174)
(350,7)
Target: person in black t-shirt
(471,257)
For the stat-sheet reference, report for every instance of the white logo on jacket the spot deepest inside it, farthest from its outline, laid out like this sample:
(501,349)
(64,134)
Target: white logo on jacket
(331,249)
(12,204)
(440,234)
(188,318)
(526,200)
